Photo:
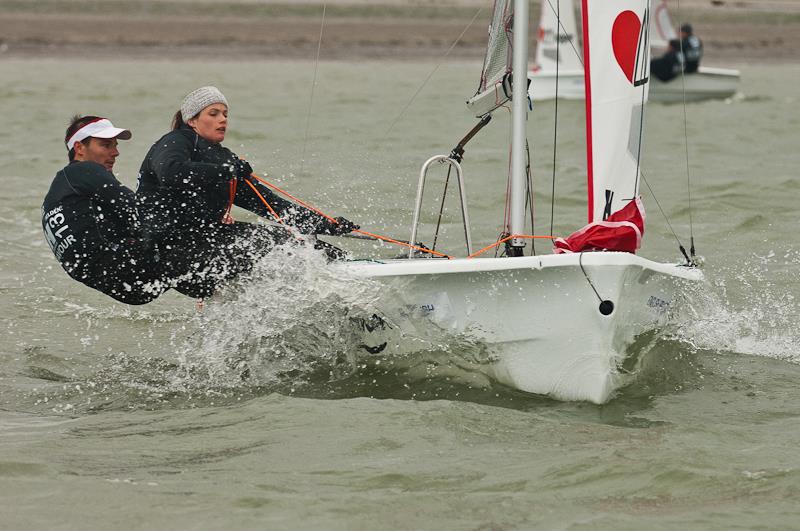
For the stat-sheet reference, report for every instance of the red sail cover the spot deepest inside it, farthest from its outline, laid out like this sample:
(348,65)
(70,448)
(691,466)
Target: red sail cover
(622,231)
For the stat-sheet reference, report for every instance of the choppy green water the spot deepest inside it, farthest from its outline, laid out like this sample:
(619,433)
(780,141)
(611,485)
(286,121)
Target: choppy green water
(134,418)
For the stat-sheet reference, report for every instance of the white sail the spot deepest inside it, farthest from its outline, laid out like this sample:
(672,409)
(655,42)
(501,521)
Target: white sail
(494,89)
(662,30)
(557,40)
(616,55)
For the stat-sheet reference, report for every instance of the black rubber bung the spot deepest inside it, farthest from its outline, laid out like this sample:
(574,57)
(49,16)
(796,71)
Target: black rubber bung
(606,307)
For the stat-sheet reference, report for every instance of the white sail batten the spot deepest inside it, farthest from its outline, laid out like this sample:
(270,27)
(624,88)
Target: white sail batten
(494,90)
(616,46)
(557,39)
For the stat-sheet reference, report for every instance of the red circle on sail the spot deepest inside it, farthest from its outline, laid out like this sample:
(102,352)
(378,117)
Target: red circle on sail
(625,40)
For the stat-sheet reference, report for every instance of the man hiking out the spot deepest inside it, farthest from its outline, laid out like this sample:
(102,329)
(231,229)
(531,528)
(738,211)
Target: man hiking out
(90,222)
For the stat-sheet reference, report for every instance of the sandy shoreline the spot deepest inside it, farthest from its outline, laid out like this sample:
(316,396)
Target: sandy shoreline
(742,31)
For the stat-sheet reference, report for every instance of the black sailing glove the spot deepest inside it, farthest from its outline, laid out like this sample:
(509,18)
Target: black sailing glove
(342,226)
(237,168)
(242,168)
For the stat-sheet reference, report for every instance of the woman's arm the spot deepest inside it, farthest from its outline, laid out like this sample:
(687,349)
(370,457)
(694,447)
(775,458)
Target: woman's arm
(172,163)
(304,219)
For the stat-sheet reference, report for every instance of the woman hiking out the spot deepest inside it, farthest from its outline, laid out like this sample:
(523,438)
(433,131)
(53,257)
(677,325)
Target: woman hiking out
(187,184)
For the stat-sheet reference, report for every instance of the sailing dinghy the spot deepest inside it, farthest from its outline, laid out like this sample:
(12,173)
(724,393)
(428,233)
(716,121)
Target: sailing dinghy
(559,324)
(558,68)
(707,83)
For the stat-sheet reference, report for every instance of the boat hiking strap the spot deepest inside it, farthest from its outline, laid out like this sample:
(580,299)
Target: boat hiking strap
(498,242)
(329,218)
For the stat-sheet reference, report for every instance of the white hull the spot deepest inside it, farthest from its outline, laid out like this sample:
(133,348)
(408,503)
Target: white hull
(707,83)
(538,317)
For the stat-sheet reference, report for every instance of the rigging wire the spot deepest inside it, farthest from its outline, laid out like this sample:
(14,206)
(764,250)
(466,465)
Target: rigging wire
(529,197)
(456,156)
(686,142)
(430,75)
(569,39)
(580,263)
(313,87)
(441,208)
(666,218)
(606,306)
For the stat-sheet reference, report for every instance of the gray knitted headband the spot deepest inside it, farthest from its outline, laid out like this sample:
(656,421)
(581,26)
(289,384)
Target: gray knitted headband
(199,99)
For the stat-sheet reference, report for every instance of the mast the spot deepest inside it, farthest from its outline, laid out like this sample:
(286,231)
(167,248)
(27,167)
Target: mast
(519,118)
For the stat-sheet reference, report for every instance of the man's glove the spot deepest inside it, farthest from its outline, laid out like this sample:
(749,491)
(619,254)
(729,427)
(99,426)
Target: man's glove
(342,226)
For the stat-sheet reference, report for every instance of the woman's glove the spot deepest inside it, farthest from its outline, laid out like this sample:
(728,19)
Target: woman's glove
(342,226)
(242,168)
(237,168)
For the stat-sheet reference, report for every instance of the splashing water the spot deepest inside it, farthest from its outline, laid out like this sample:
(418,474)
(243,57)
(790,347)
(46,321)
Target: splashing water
(288,320)
(297,322)
(753,312)
(295,325)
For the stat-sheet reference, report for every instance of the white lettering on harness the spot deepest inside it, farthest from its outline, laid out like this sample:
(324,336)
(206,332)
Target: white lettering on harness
(57,232)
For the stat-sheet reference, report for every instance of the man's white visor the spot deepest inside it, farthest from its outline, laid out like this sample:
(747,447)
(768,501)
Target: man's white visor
(101,128)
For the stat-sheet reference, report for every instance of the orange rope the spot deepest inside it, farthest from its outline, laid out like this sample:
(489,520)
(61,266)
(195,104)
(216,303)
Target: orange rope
(524,236)
(290,196)
(376,236)
(277,217)
(384,238)
(226,217)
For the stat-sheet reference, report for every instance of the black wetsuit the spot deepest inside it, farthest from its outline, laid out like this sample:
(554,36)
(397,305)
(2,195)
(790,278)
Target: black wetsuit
(692,48)
(90,222)
(183,193)
(667,67)
(684,54)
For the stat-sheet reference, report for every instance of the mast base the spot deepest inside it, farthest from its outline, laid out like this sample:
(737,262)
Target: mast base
(514,250)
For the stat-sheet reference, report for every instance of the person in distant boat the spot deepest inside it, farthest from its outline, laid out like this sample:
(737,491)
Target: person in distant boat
(89,218)
(668,66)
(188,183)
(692,49)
